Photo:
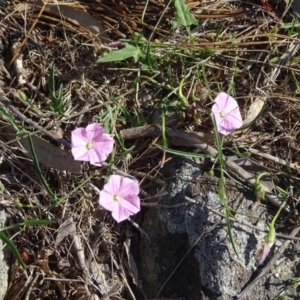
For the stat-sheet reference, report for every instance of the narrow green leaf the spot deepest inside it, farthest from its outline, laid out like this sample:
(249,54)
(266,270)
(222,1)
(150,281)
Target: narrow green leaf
(2,188)
(183,15)
(38,169)
(56,101)
(37,222)
(51,83)
(13,248)
(228,223)
(23,96)
(119,55)
(9,118)
(182,153)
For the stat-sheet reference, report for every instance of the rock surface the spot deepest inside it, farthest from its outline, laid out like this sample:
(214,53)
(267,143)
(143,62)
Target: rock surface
(4,255)
(191,256)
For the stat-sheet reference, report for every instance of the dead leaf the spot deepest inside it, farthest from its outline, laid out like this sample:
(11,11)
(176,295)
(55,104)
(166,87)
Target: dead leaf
(99,275)
(254,111)
(66,228)
(76,16)
(46,153)
(131,262)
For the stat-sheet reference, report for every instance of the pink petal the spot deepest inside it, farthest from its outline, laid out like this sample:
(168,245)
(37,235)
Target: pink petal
(107,201)
(95,159)
(104,147)
(103,139)
(228,125)
(233,119)
(216,109)
(93,131)
(120,214)
(265,251)
(78,137)
(218,118)
(131,203)
(80,153)
(231,107)
(128,187)
(221,100)
(113,184)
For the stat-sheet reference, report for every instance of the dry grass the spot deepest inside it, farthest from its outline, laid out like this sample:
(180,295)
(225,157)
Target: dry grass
(232,49)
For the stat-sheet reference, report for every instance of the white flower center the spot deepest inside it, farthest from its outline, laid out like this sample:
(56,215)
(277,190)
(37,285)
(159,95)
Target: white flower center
(89,146)
(116,198)
(222,114)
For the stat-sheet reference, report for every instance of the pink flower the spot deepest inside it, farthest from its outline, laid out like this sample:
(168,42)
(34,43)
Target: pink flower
(269,242)
(120,196)
(227,114)
(91,144)
(264,253)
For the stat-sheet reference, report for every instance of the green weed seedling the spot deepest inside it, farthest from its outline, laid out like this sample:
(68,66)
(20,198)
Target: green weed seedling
(222,189)
(183,15)
(128,51)
(56,104)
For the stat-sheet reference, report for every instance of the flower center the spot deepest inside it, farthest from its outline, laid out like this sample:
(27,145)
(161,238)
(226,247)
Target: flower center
(89,146)
(116,198)
(222,114)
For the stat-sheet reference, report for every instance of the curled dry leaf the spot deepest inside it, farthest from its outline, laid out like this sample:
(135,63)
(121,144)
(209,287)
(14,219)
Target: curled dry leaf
(254,111)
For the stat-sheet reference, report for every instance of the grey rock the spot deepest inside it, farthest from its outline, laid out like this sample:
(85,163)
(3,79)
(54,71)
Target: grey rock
(191,255)
(4,260)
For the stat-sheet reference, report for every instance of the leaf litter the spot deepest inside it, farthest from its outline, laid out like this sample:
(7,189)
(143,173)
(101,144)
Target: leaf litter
(222,46)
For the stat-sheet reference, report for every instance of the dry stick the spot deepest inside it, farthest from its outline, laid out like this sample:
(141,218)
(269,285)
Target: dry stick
(159,20)
(269,265)
(181,138)
(275,159)
(16,112)
(6,101)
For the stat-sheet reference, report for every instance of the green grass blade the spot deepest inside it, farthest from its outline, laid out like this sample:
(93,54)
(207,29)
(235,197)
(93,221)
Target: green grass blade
(37,222)
(228,223)
(221,191)
(9,118)
(144,11)
(38,169)
(56,101)
(13,248)
(182,153)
